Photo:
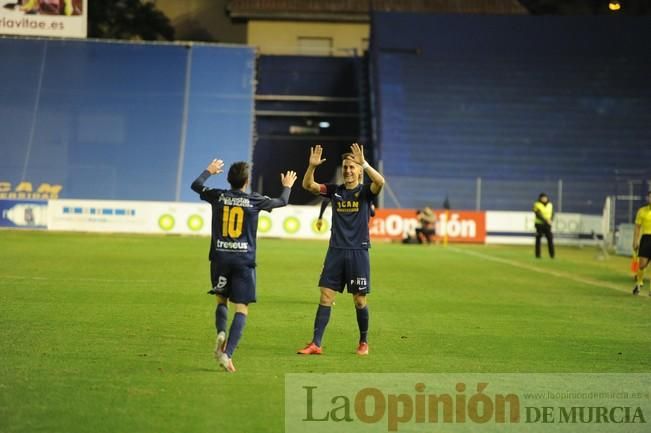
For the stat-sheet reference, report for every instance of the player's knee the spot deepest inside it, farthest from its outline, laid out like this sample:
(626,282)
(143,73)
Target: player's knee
(222,300)
(242,308)
(326,301)
(327,297)
(360,302)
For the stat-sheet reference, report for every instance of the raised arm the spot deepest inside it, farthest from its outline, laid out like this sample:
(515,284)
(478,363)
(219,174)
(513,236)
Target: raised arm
(287,181)
(315,160)
(215,167)
(376,178)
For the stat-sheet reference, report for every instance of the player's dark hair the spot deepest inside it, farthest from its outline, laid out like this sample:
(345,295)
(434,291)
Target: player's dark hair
(542,194)
(238,174)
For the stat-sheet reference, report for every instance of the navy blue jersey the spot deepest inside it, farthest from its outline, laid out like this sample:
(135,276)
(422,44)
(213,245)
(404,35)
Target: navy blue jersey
(235,219)
(351,211)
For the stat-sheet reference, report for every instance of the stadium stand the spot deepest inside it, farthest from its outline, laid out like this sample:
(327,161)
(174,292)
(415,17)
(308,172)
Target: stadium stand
(519,102)
(294,95)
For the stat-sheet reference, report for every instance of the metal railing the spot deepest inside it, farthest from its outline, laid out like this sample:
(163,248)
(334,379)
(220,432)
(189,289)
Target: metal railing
(478,193)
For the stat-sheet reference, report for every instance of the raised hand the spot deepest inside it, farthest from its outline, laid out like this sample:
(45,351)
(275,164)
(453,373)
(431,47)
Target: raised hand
(216,166)
(358,153)
(288,179)
(315,156)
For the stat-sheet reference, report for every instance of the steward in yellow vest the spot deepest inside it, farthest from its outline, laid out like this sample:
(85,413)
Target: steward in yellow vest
(544,211)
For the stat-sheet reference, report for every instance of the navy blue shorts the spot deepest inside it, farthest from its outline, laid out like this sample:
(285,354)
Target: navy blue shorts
(351,268)
(234,281)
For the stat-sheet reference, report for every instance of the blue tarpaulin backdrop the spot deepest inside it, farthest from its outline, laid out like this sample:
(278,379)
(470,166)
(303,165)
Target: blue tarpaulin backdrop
(106,120)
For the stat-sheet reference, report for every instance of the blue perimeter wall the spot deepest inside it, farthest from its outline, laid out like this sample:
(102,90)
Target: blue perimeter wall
(105,120)
(519,101)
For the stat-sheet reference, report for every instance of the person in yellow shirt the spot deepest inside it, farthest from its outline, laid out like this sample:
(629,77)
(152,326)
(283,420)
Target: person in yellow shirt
(642,242)
(544,211)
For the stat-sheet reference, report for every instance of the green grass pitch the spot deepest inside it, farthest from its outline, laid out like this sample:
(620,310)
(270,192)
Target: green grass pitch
(114,333)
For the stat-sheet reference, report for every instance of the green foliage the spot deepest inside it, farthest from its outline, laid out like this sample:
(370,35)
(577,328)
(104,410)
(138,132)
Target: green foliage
(114,333)
(128,19)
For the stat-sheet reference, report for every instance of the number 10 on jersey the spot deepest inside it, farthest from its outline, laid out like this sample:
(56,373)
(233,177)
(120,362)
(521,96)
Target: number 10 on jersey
(232,222)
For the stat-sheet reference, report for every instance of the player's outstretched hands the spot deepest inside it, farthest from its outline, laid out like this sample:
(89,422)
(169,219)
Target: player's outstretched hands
(288,179)
(216,166)
(358,153)
(315,155)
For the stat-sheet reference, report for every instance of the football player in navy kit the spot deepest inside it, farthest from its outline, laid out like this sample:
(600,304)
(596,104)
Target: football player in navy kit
(232,247)
(347,260)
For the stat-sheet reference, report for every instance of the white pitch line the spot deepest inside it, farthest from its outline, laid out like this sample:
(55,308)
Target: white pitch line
(558,274)
(91,280)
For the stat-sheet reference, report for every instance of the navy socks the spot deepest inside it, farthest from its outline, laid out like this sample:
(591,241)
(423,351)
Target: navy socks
(320,322)
(362,323)
(221,317)
(235,333)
